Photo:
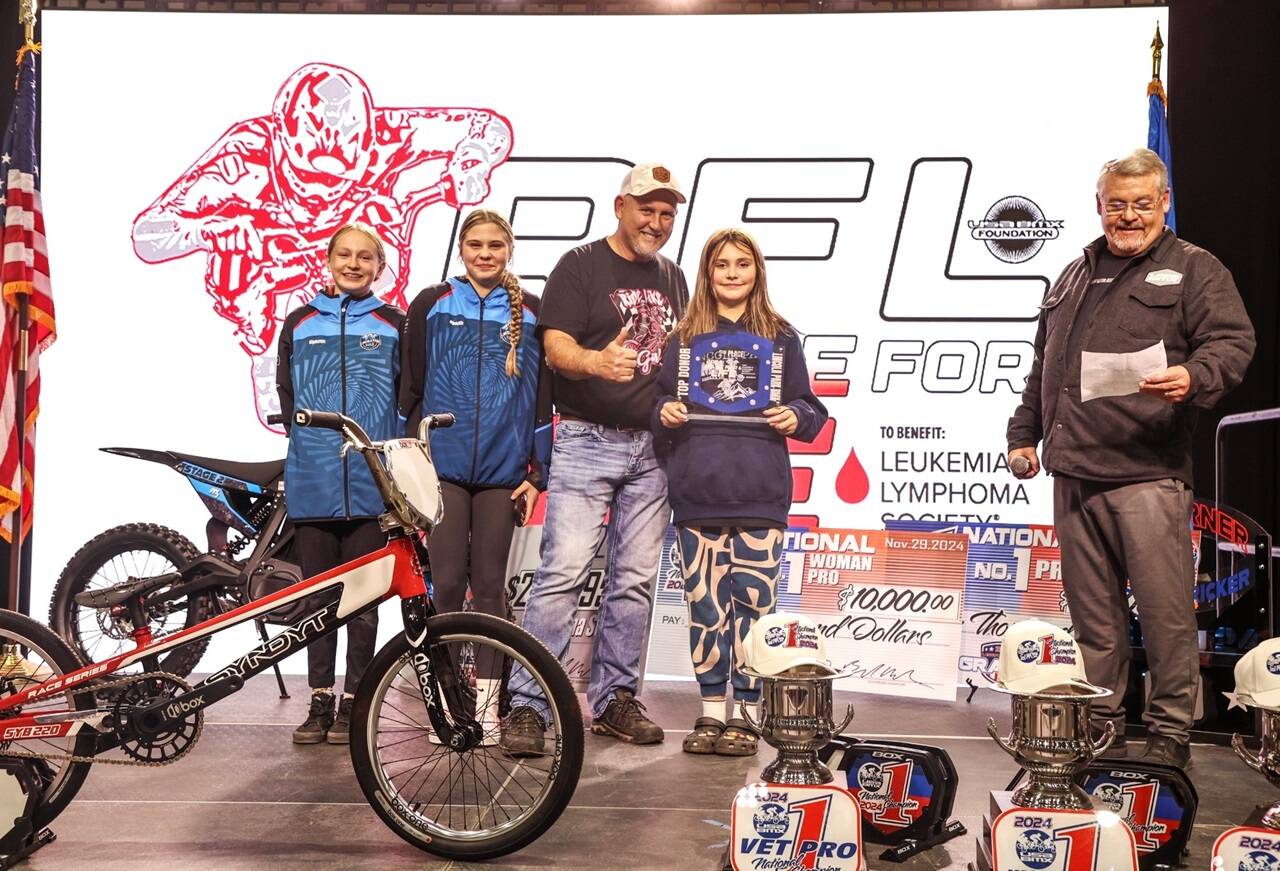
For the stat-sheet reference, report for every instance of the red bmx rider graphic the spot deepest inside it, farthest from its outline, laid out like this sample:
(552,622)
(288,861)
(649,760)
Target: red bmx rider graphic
(263,201)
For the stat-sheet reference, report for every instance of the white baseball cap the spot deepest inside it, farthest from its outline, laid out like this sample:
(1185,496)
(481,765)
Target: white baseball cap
(1038,657)
(1258,675)
(780,641)
(646,178)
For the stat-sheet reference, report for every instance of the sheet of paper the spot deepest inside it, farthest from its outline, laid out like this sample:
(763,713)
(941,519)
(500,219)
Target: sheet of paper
(1118,374)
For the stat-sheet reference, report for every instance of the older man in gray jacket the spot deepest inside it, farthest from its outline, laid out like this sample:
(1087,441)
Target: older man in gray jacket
(1122,464)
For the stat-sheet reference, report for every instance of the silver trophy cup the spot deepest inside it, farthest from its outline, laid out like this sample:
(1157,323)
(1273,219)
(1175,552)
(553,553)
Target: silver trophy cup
(1266,761)
(1050,740)
(796,718)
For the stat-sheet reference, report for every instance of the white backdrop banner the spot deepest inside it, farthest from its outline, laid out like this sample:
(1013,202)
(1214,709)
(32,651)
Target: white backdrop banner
(915,180)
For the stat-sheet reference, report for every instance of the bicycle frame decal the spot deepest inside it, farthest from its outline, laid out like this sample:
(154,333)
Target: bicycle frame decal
(392,570)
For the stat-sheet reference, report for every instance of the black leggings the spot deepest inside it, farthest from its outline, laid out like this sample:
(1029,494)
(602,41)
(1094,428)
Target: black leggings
(322,545)
(480,522)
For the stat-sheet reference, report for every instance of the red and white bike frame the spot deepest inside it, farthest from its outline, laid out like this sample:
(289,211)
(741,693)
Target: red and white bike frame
(393,570)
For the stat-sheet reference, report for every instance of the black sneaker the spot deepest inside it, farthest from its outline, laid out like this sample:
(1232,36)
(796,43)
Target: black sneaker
(524,733)
(624,719)
(340,731)
(318,721)
(1168,750)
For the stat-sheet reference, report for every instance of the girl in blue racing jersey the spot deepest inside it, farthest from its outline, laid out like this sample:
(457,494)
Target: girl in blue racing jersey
(470,348)
(339,352)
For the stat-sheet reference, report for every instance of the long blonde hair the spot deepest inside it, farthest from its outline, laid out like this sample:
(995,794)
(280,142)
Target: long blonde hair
(701,316)
(508,280)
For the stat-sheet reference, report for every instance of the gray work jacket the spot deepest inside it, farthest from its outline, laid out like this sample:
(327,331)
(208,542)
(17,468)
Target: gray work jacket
(1173,291)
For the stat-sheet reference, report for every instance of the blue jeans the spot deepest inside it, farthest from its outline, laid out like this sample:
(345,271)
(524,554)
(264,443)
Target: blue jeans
(595,469)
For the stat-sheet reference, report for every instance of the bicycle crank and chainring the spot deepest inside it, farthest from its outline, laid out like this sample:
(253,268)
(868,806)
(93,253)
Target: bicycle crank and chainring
(155,737)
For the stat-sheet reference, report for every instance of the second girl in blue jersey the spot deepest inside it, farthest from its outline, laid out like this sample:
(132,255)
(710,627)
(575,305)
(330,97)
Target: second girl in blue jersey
(470,349)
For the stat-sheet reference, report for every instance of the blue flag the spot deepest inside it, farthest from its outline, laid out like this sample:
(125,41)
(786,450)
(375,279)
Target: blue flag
(1158,141)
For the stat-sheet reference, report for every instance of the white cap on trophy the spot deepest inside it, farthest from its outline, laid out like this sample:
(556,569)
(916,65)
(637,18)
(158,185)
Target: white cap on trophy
(781,642)
(1258,676)
(1037,657)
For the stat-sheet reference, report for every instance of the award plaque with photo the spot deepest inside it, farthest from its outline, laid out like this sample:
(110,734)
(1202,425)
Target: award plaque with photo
(730,377)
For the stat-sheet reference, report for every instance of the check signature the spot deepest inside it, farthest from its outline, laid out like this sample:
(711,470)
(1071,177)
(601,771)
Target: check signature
(883,672)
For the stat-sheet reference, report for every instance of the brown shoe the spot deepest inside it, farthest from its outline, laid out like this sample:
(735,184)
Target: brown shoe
(524,733)
(624,719)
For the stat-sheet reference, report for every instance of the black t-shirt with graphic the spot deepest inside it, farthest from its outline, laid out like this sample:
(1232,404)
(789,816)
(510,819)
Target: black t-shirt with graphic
(590,294)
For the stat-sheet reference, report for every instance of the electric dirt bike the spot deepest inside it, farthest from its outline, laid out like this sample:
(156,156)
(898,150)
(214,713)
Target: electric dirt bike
(425,723)
(246,504)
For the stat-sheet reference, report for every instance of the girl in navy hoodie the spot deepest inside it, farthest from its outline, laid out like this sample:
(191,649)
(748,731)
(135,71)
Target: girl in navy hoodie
(729,476)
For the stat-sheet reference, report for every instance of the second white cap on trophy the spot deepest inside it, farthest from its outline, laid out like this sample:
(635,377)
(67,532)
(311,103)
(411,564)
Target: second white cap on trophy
(1038,657)
(780,641)
(1258,675)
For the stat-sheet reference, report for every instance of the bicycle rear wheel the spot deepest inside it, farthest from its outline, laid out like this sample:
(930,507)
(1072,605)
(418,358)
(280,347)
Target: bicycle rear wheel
(30,654)
(480,802)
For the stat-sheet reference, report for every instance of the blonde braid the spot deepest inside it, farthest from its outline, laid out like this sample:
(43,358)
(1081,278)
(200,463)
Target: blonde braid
(515,295)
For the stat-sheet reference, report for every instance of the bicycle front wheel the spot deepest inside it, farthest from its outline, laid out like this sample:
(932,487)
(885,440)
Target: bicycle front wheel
(480,802)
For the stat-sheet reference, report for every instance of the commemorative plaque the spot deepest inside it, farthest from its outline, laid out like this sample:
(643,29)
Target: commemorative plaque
(729,377)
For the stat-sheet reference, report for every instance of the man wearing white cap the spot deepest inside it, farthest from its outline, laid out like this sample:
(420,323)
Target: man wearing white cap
(606,311)
(1122,463)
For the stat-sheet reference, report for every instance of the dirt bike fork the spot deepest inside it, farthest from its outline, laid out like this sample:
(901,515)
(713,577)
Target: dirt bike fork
(439,680)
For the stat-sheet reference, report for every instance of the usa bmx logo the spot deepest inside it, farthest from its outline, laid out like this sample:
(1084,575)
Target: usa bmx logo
(1036,849)
(871,778)
(1028,651)
(1273,663)
(370,342)
(771,821)
(1110,795)
(775,636)
(1259,861)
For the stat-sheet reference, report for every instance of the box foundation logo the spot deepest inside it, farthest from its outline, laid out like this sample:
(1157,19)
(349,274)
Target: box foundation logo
(1014,229)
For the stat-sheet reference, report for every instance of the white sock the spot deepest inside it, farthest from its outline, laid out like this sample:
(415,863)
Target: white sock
(753,708)
(713,708)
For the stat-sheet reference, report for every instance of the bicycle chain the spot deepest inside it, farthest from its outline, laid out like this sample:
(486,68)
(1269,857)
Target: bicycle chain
(99,760)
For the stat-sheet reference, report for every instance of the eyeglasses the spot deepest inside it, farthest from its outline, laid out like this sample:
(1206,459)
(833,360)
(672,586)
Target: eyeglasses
(1141,207)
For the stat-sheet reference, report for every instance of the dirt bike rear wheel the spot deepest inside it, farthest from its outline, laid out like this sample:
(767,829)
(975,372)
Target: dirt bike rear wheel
(137,550)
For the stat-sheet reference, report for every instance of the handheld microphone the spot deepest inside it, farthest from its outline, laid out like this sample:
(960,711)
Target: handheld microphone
(1020,466)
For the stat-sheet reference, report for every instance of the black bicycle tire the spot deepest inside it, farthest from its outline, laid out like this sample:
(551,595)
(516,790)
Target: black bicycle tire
(22,628)
(561,696)
(173,545)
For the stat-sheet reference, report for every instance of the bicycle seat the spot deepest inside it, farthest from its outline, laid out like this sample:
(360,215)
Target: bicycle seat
(121,593)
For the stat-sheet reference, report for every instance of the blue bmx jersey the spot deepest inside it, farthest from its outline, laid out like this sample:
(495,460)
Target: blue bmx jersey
(337,353)
(455,359)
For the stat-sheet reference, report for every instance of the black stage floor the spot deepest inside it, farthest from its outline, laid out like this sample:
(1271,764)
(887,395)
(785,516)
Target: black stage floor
(247,798)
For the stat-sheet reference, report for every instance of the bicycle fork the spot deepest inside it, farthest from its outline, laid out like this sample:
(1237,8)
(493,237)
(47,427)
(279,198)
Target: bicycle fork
(440,682)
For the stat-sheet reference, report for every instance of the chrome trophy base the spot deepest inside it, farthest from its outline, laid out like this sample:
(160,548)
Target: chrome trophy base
(1050,740)
(796,719)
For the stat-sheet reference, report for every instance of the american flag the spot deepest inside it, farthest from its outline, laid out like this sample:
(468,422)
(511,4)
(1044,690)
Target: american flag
(24,272)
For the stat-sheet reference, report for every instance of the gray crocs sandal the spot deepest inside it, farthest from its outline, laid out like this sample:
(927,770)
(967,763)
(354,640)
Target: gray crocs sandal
(737,739)
(702,740)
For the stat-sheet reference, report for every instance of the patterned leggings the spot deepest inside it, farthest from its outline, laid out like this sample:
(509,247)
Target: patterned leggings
(730,579)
